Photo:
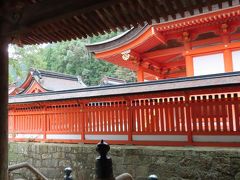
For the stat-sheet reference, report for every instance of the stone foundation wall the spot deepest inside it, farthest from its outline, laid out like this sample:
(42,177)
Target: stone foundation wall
(174,163)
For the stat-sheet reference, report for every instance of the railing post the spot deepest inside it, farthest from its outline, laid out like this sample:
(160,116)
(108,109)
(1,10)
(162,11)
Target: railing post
(14,126)
(104,170)
(188,118)
(44,124)
(130,121)
(82,118)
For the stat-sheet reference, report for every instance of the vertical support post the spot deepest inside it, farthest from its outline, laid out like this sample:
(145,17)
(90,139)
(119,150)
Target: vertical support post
(130,121)
(188,118)
(4,106)
(45,125)
(189,66)
(188,58)
(140,74)
(14,125)
(82,118)
(228,64)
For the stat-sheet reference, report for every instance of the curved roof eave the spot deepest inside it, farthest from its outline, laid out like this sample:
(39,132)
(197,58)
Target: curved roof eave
(117,41)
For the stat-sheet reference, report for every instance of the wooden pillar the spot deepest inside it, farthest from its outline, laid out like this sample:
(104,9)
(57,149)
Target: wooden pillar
(189,66)
(3,108)
(228,64)
(140,74)
(227,54)
(188,58)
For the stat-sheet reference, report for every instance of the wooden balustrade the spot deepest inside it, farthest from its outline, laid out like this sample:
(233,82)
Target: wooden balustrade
(206,116)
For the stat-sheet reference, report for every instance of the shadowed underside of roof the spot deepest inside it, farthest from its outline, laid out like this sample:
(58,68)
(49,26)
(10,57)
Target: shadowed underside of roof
(42,21)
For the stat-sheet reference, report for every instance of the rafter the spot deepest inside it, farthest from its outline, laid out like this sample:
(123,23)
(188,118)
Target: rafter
(159,36)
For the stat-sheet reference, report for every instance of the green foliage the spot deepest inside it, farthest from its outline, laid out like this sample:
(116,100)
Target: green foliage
(69,57)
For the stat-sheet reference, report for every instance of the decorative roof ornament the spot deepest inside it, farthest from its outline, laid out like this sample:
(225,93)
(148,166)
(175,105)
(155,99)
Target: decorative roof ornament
(126,55)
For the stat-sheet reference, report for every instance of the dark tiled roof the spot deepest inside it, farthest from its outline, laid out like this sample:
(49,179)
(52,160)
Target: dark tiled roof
(54,81)
(206,81)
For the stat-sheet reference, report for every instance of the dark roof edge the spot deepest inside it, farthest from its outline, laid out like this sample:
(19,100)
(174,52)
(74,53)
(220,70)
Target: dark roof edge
(47,73)
(117,41)
(223,79)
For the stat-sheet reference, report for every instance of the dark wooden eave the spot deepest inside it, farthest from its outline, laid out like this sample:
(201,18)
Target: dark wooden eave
(42,21)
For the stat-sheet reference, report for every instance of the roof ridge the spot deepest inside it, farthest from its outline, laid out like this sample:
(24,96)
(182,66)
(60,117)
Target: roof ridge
(49,73)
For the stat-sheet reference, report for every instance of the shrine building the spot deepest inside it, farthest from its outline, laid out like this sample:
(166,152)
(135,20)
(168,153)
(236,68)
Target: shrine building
(202,44)
(40,81)
(193,54)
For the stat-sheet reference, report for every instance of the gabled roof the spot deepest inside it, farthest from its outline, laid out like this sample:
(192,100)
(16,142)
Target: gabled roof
(44,81)
(159,48)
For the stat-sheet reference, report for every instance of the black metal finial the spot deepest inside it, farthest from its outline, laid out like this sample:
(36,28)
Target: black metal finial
(102,148)
(103,162)
(68,172)
(153,177)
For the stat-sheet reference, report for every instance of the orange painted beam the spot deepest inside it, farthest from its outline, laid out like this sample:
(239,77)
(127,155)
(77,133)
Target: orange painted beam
(152,72)
(206,41)
(159,36)
(212,49)
(205,50)
(176,75)
(199,19)
(173,64)
(161,53)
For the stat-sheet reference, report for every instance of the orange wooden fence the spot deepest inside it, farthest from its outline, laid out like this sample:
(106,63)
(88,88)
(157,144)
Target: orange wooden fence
(205,117)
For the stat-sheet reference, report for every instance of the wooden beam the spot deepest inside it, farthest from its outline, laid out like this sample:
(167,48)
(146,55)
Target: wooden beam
(161,53)
(52,10)
(105,20)
(119,17)
(212,49)
(3,100)
(170,7)
(155,12)
(136,8)
(162,9)
(152,62)
(173,64)
(155,73)
(128,15)
(180,6)
(159,36)
(147,9)
(86,22)
(112,20)
(133,9)
(176,75)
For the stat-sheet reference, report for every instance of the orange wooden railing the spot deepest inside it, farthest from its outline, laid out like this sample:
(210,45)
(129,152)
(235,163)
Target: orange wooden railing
(206,116)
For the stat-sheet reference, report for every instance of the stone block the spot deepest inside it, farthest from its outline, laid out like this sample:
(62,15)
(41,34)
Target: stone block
(46,156)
